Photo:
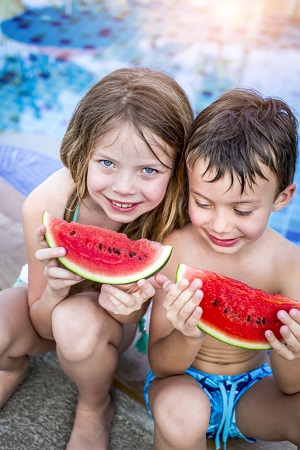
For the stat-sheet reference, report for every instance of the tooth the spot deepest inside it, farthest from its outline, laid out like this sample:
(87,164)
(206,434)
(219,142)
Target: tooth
(121,205)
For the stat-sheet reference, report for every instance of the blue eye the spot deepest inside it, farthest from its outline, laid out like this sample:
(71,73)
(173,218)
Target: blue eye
(106,162)
(149,170)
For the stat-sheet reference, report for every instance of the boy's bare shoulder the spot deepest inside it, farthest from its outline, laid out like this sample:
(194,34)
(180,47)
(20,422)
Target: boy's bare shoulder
(285,263)
(284,251)
(181,236)
(186,249)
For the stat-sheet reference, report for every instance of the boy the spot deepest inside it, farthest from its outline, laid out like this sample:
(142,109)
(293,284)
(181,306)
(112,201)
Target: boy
(241,157)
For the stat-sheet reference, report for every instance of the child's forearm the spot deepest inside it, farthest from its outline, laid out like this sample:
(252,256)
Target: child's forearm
(286,373)
(173,354)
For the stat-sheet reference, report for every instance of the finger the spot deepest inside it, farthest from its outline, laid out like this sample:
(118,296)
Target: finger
(193,321)
(291,325)
(40,236)
(59,273)
(290,340)
(160,280)
(175,291)
(295,314)
(189,307)
(118,297)
(182,292)
(50,255)
(183,308)
(147,290)
(280,347)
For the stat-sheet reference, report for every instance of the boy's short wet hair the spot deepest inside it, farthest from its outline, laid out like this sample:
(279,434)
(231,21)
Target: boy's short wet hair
(240,132)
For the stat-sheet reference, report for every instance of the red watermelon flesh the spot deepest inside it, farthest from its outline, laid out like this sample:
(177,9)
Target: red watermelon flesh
(236,313)
(103,255)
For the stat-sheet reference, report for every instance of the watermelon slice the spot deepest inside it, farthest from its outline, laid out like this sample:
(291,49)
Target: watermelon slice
(236,313)
(103,255)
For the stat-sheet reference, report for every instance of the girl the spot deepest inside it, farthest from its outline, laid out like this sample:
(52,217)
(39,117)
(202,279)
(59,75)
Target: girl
(122,154)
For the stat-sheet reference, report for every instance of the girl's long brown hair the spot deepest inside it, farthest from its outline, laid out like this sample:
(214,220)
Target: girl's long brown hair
(150,100)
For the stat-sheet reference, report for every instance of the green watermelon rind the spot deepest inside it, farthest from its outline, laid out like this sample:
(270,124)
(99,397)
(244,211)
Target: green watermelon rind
(218,334)
(236,342)
(151,270)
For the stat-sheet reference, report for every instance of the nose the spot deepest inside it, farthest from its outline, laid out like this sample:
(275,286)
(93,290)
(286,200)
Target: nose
(220,221)
(124,183)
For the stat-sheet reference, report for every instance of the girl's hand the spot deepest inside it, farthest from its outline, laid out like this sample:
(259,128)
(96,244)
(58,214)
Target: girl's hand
(289,348)
(182,305)
(126,299)
(59,279)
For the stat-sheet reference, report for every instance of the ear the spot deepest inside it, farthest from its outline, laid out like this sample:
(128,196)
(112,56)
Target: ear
(284,197)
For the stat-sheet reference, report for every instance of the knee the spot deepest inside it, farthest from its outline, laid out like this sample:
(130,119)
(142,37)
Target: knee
(181,421)
(5,340)
(297,414)
(14,317)
(80,329)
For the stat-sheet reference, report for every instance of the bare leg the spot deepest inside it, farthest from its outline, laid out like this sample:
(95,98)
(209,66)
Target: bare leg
(87,339)
(264,412)
(18,339)
(181,411)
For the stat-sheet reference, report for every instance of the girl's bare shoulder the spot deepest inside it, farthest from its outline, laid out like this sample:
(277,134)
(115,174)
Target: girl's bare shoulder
(51,194)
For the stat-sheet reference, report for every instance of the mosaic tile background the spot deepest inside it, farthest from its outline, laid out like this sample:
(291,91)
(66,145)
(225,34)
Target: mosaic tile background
(51,52)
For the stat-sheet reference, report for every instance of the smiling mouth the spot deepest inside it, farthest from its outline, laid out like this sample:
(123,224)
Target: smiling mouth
(223,242)
(122,205)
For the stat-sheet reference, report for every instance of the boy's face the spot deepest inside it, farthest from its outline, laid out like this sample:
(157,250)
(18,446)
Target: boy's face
(226,219)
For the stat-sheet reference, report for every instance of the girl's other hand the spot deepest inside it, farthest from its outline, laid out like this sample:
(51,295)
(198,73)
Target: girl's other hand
(126,299)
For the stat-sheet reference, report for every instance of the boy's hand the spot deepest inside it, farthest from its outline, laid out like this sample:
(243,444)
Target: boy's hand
(59,279)
(289,348)
(126,299)
(182,305)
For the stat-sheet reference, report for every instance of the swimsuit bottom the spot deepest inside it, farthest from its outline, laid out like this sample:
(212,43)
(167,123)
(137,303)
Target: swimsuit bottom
(223,392)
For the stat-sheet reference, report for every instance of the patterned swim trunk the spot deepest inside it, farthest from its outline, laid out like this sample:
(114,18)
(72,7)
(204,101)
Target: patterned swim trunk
(223,392)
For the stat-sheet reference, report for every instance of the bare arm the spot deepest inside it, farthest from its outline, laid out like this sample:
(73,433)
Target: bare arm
(285,354)
(174,338)
(43,297)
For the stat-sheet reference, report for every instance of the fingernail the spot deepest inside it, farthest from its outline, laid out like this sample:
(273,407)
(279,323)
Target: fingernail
(294,312)
(281,315)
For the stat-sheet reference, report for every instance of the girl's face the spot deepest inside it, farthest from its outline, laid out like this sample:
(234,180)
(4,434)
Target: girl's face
(226,219)
(124,177)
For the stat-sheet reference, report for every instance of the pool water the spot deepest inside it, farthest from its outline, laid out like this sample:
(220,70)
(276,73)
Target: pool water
(51,52)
